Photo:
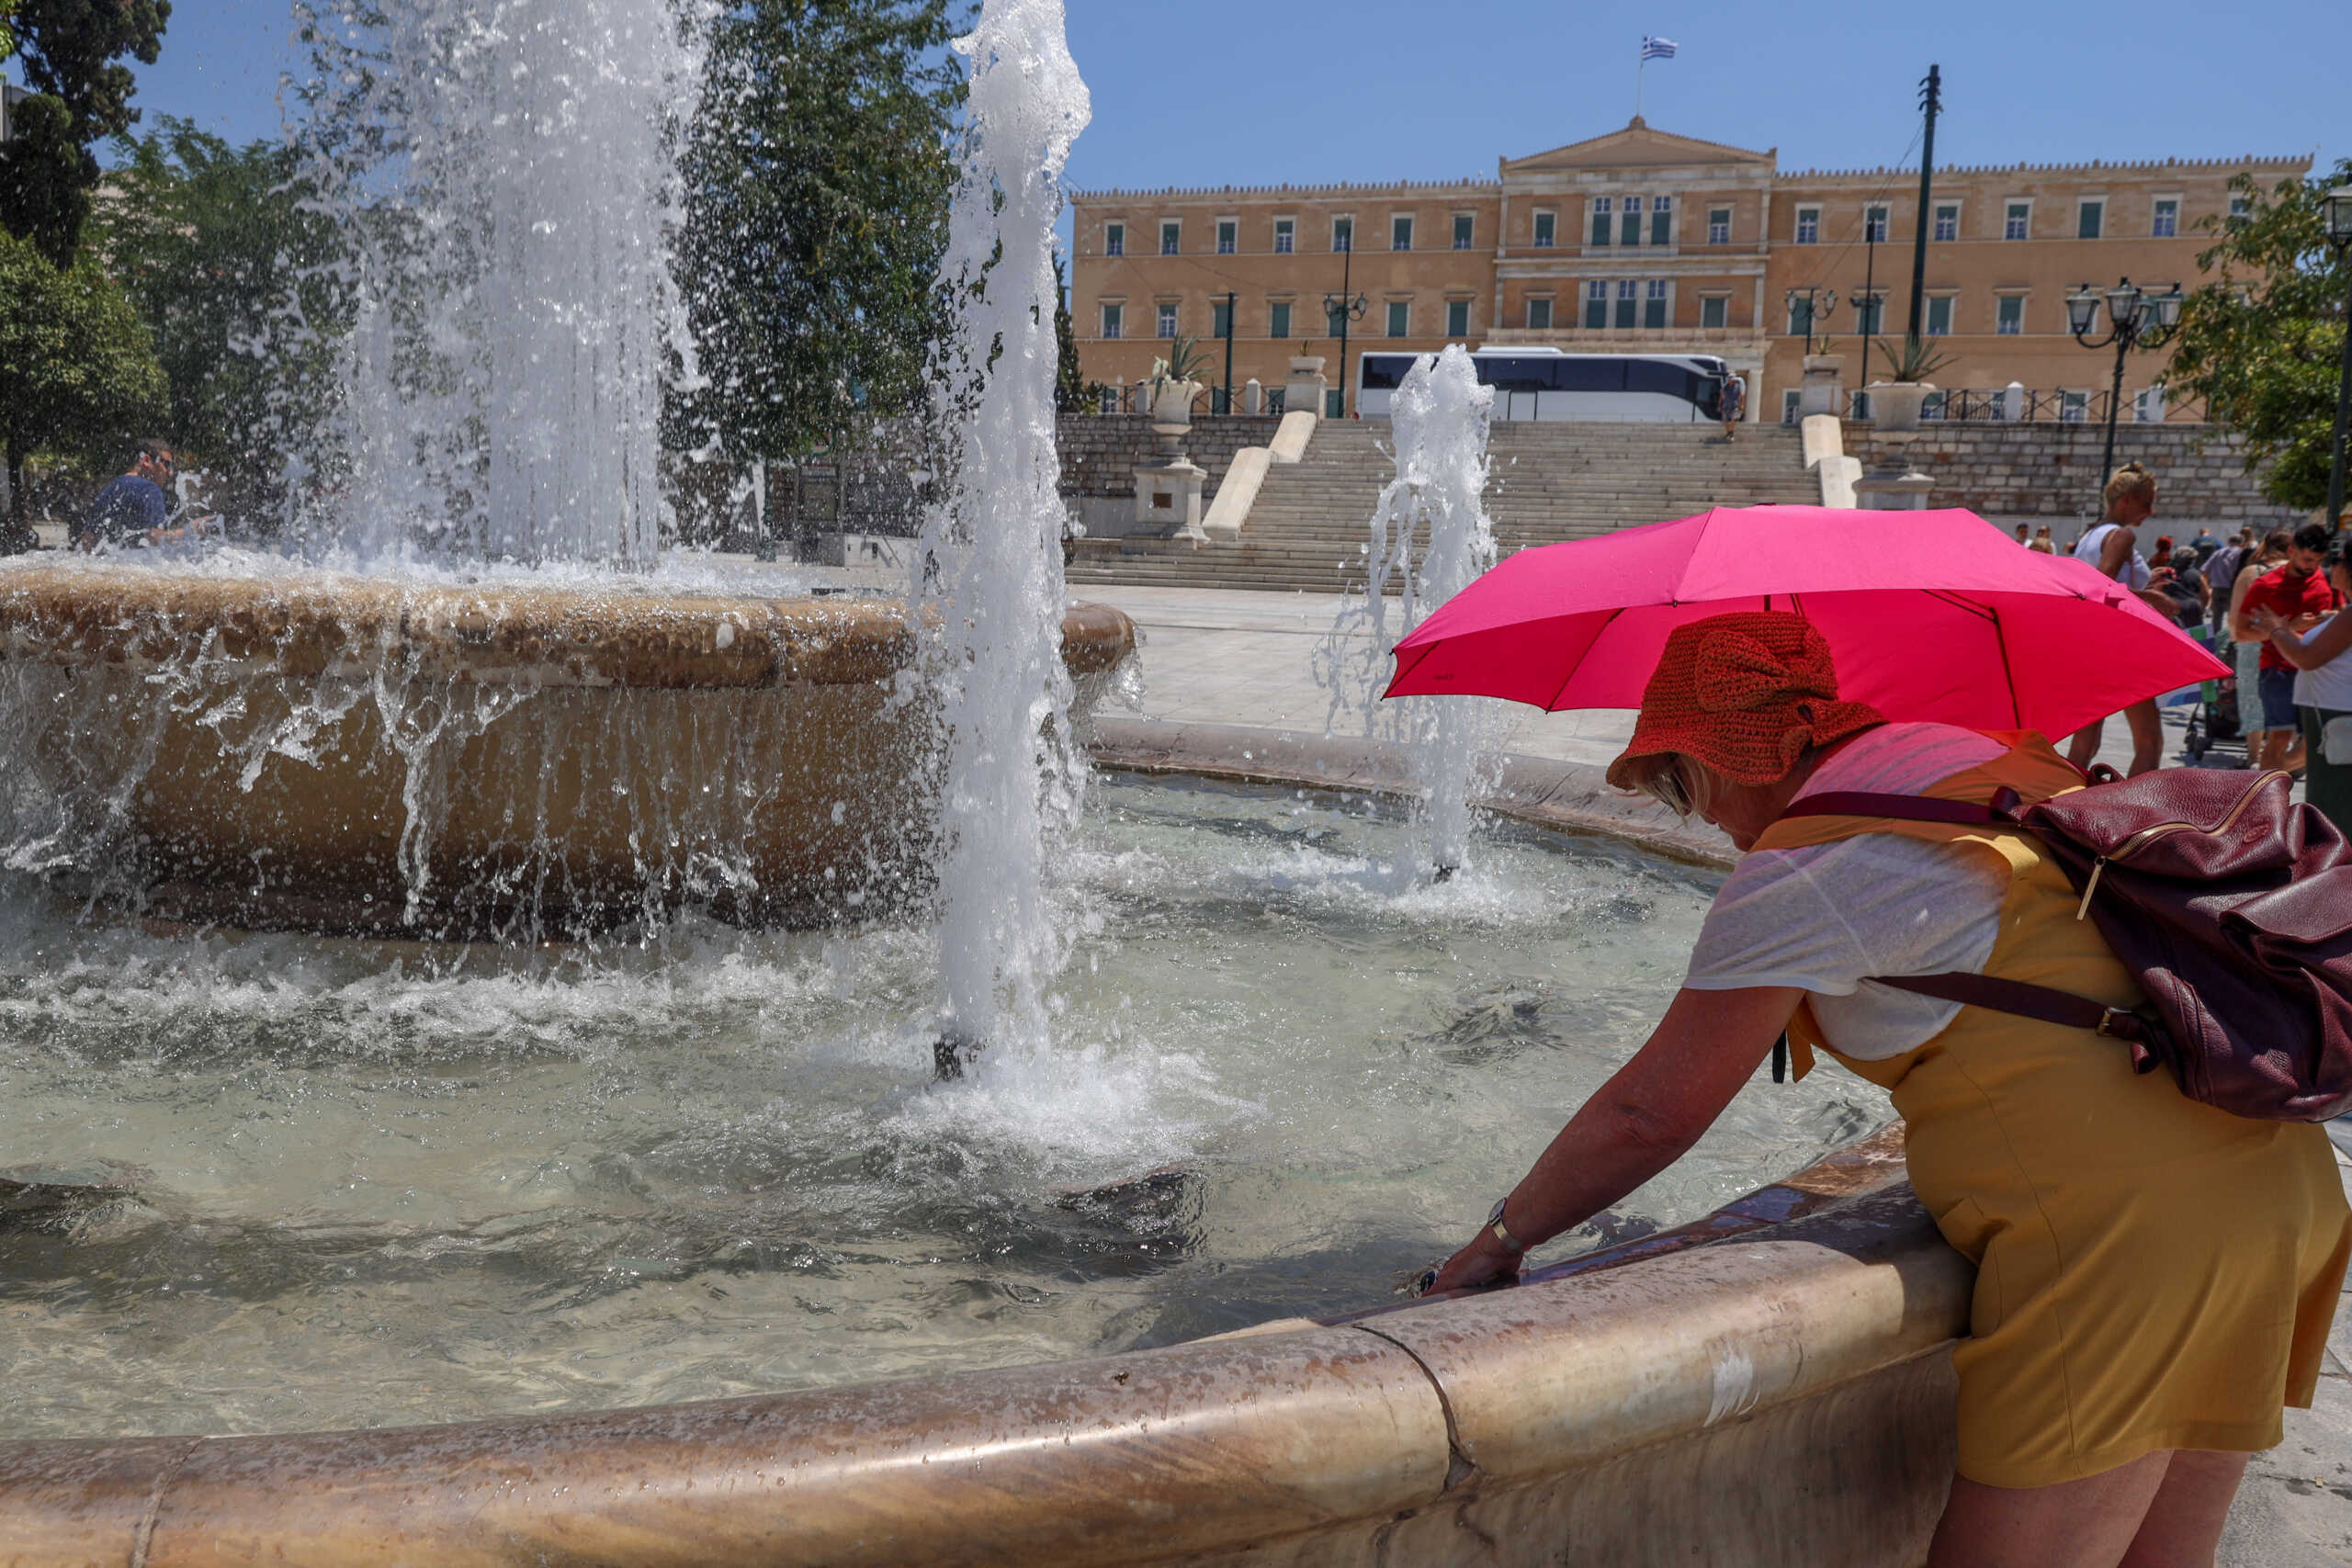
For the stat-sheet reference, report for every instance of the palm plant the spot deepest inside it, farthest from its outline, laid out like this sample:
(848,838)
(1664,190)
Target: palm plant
(1914,363)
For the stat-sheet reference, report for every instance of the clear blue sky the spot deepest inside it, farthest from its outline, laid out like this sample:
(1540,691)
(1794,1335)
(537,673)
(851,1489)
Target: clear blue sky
(1221,91)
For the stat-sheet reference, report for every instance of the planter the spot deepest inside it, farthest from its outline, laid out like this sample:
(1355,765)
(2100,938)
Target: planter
(1171,402)
(1894,405)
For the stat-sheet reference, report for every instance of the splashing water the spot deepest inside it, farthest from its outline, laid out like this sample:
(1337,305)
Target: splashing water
(989,579)
(1431,537)
(505,173)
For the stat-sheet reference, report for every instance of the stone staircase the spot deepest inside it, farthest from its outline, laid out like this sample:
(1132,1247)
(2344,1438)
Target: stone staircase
(1550,483)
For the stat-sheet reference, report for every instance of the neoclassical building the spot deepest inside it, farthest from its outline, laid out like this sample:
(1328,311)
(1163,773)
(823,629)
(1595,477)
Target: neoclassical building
(1642,238)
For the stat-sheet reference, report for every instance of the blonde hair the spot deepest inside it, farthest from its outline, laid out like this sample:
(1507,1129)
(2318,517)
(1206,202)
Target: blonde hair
(1671,779)
(2132,481)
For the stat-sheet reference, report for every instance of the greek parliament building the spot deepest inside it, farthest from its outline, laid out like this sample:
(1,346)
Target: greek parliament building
(1643,241)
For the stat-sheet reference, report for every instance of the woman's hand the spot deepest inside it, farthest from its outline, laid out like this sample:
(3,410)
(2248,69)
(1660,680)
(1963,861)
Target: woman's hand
(1485,1261)
(2266,622)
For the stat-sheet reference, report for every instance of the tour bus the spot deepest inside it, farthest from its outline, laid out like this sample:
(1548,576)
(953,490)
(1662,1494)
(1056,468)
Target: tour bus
(1550,384)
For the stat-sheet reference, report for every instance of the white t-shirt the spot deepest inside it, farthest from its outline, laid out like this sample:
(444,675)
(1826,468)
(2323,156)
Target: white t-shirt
(1823,917)
(2330,685)
(2093,545)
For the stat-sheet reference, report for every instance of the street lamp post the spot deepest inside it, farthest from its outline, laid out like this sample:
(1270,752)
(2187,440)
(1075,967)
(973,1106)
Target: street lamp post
(2336,206)
(1866,322)
(1820,304)
(1344,307)
(2136,319)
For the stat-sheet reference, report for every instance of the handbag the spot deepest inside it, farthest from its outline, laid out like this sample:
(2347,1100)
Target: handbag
(2228,900)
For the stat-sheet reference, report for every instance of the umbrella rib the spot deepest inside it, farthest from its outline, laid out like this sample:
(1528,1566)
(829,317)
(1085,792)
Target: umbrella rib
(1561,690)
(2008,675)
(1957,604)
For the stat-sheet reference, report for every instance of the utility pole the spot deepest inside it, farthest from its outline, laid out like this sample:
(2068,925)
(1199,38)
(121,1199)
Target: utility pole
(1345,307)
(1228,352)
(1931,100)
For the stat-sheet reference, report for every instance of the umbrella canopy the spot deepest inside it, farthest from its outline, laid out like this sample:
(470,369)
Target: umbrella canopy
(1934,616)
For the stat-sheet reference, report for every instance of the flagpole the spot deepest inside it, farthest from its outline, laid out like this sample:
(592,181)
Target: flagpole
(1641,61)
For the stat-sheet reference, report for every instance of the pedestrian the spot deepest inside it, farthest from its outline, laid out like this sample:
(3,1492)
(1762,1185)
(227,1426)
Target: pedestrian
(2322,691)
(2246,653)
(2021,535)
(2221,574)
(2112,545)
(2296,593)
(2042,541)
(133,508)
(2155,1278)
(2163,555)
(2204,545)
(1735,403)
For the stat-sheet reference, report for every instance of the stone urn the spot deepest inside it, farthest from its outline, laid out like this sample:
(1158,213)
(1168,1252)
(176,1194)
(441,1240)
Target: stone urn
(1172,403)
(1894,405)
(1817,393)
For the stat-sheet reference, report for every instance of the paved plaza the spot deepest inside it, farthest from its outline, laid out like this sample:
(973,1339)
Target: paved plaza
(1224,657)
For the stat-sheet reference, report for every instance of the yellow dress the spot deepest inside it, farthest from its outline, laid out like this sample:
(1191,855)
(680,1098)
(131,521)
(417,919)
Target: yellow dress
(2152,1273)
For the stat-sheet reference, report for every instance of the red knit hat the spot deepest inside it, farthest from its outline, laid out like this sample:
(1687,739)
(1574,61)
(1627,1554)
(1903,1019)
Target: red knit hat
(1743,694)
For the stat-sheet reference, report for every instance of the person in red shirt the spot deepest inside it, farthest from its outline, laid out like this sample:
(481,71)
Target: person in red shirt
(2299,594)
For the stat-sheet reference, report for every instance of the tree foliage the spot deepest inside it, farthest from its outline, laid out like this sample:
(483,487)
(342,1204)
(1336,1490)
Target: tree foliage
(71,51)
(1070,386)
(817,178)
(78,375)
(229,268)
(2262,344)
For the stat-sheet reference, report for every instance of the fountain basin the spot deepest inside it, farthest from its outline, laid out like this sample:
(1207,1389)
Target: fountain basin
(338,753)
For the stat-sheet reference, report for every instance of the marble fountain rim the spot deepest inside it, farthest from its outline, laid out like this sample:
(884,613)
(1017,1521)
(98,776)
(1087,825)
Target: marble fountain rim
(1823,1298)
(496,631)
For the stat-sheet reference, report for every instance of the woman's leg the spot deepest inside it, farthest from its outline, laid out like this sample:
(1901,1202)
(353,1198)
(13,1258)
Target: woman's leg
(2089,1523)
(2147,736)
(2184,1522)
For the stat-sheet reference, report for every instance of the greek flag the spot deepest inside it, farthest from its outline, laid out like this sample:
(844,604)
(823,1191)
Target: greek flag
(1657,47)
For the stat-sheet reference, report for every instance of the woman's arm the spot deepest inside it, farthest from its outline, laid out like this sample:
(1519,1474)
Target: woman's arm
(2332,640)
(2241,628)
(1643,1118)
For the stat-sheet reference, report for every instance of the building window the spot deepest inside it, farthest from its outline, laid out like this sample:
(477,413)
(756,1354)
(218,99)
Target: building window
(1714,310)
(1629,225)
(1112,315)
(1335,320)
(1546,227)
(1859,405)
(1808,225)
(1539,311)
(2016,223)
(1343,234)
(1629,292)
(1228,236)
(2168,219)
(1457,317)
(1940,316)
(1719,225)
(1464,227)
(1167,321)
(1220,318)
(1171,232)
(2090,217)
(1874,225)
(1948,222)
(1114,239)
(1653,302)
(1596,304)
(2239,211)
(1401,319)
(1789,404)
(2009,315)
(1285,236)
(2075,408)
(1277,321)
(1106,400)
(1335,403)
(1661,220)
(1601,231)
(2148,405)
(1400,233)
(1870,316)
(1800,316)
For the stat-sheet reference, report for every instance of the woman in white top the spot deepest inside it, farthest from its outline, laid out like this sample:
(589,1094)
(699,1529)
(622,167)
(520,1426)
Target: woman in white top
(2323,690)
(2113,547)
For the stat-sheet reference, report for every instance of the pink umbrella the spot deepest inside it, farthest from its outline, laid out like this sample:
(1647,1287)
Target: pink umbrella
(1932,616)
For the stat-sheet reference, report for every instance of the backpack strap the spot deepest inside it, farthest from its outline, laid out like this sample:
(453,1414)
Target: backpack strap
(1908,807)
(2044,1003)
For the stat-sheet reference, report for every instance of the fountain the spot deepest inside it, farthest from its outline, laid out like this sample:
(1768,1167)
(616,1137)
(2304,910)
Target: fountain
(637,1222)
(1430,537)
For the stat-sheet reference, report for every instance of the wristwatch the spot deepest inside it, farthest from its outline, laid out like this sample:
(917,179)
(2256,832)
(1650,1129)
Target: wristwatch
(1495,1223)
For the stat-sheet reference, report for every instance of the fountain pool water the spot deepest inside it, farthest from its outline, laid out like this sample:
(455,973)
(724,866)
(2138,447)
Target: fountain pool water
(395,1184)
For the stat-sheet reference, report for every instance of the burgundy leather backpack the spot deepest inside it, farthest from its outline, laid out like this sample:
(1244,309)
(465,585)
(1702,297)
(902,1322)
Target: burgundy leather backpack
(2229,901)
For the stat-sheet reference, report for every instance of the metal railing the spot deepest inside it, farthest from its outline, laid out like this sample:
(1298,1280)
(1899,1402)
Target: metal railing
(1102,401)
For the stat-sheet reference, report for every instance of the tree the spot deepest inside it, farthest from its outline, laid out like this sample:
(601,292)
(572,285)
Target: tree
(1070,386)
(817,178)
(219,252)
(71,51)
(78,375)
(2263,343)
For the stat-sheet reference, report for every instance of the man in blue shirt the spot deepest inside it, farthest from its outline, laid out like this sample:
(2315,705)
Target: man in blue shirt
(133,509)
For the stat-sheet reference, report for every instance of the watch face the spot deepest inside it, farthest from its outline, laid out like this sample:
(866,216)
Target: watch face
(1494,1214)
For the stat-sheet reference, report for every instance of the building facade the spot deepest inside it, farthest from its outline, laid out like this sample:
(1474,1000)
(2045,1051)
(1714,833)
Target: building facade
(1642,240)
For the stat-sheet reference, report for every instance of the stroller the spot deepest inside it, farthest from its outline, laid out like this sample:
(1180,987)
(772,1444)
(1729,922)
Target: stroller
(2213,720)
